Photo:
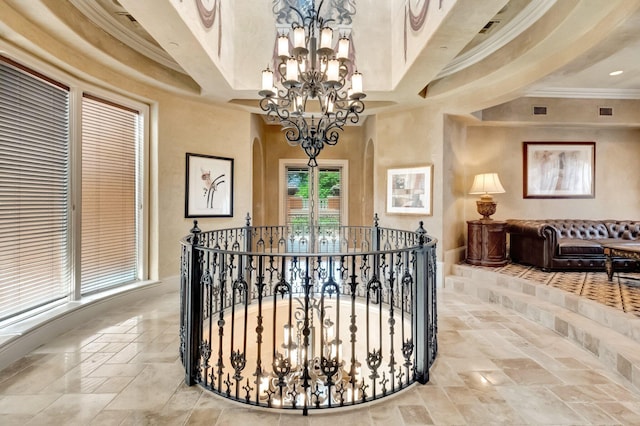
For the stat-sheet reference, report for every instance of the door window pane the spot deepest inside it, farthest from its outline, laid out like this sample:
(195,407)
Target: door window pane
(323,202)
(329,199)
(297,200)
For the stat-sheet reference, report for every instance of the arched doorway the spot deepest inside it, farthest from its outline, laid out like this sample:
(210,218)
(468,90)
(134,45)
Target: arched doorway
(258,213)
(367,183)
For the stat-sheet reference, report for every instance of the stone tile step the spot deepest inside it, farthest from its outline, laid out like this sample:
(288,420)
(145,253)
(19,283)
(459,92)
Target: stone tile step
(624,323)
(616,351)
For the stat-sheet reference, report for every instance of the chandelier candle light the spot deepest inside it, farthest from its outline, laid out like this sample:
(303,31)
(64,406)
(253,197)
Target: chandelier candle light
(317,69)
(486,184)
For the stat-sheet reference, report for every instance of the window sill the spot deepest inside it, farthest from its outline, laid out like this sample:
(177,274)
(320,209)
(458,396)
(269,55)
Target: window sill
(22,337)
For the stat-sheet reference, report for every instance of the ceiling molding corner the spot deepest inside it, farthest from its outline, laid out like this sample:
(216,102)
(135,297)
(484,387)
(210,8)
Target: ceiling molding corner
(527,17)
(99,16)
(583,93)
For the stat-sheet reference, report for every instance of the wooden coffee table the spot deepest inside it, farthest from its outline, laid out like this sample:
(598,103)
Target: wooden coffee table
(628,251)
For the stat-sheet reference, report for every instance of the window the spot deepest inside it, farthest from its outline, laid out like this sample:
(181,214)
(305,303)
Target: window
(34,191)
(48,251)
(327,202)
(110,141)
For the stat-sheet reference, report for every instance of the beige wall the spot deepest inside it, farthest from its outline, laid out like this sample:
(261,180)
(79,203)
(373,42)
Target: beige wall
(499,149)
(453,199)
(408,139)
(186,125)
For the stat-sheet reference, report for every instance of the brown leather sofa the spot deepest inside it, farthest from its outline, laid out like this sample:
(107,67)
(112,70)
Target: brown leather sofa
(564,244)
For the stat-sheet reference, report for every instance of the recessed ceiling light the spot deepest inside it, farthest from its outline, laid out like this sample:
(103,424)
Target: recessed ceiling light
(616,72)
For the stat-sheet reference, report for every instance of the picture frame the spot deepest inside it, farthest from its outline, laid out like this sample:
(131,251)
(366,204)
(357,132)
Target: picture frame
(209,186)
(559,169)
(409,190)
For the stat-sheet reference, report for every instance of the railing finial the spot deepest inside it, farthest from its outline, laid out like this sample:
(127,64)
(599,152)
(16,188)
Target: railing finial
(422,233)
(195,229)
(375,219)
(248,220)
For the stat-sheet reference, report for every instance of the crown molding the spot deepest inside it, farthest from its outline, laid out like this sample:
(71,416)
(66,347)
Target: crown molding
(102,18)
(584,93)
(523,20)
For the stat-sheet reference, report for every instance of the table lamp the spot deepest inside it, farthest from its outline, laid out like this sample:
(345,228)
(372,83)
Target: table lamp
(486,184)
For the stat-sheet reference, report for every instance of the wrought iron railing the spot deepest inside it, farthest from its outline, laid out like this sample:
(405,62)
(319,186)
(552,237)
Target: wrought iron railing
(293,317)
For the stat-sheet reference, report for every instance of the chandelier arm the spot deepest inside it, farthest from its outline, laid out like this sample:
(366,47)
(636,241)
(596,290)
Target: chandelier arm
(351,114)
(302,17)
(292,134)
(274,111)
(357,106)
(321,21)
(332,136)
(266,104)
(328,136)
(294,131)
(354,118)
(341,117)
(329,131)
(282,69)
(343,71)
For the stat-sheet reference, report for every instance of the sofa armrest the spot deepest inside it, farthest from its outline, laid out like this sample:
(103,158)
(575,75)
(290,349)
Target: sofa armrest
(532,242)
(531,228)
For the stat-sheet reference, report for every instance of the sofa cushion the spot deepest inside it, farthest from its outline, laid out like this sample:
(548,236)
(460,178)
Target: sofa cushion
(583,229)
(623,229)
(578,247)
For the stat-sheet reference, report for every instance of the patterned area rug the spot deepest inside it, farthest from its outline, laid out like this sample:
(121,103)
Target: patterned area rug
(621,293)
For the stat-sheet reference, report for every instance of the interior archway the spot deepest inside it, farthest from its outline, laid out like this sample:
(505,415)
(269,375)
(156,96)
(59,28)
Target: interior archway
(258,182)
(367,183)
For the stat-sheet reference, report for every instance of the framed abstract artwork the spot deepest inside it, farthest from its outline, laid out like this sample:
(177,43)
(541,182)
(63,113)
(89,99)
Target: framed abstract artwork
(209,186)
(409,190)
(559,169)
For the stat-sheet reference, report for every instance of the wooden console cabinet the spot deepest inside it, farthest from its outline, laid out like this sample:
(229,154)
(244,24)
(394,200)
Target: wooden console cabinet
(486,242)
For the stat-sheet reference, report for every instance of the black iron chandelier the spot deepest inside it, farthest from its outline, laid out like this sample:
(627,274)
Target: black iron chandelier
(315,68)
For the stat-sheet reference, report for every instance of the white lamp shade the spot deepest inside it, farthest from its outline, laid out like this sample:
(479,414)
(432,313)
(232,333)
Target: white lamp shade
(343,48)
(326,37)
(292,69)
(283,45)
(486,183)
(333,70)
(267,79)
(299,37)
(356,82)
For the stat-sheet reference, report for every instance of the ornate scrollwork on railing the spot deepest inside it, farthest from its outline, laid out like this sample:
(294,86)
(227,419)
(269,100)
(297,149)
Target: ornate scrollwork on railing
(270,321)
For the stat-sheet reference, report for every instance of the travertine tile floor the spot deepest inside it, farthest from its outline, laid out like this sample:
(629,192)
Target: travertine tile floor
(494,367)
(622,293)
